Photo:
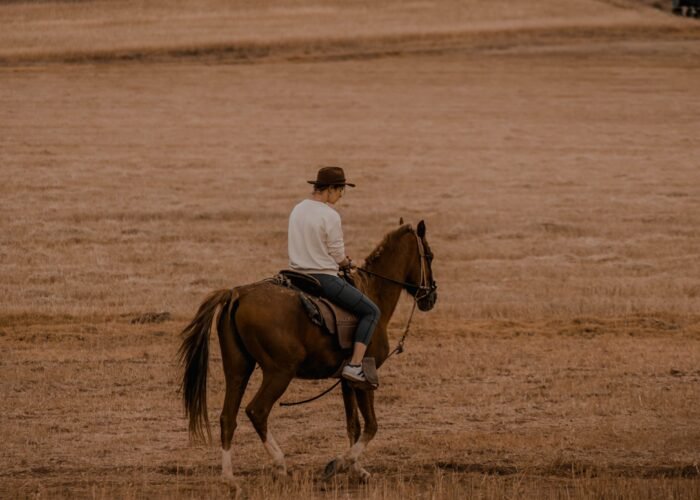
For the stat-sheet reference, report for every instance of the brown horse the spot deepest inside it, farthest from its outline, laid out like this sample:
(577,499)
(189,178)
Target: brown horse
(265,324)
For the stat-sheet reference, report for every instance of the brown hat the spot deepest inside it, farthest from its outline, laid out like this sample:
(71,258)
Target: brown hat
(330,176)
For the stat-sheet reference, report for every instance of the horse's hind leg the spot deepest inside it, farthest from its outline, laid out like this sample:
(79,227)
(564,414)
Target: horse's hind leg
(258,410)
(238,365)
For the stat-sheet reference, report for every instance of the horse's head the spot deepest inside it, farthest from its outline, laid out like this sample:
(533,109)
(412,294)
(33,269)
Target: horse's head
(405,258)
(421,272)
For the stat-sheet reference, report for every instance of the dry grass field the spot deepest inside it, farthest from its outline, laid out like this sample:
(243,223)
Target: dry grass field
(150,152)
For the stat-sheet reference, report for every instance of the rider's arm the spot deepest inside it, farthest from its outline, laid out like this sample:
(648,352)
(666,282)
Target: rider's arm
(334,239)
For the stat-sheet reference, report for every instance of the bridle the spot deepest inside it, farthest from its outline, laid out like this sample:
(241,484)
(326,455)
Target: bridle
(425,287)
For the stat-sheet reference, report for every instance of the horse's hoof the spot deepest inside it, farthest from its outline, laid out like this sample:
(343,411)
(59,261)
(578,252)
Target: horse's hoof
(233,484)
(280,473)
(361,475)
(330,470)
(334,467)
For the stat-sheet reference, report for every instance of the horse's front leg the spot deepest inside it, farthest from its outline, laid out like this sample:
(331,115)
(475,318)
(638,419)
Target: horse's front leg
(352,421)
(352,418)
(354,430)
(349,460)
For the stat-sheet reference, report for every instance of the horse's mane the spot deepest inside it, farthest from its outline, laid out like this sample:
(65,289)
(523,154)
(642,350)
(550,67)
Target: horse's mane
(389,238)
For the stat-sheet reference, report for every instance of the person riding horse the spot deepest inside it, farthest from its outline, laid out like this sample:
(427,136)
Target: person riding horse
(263,324)
(316,247)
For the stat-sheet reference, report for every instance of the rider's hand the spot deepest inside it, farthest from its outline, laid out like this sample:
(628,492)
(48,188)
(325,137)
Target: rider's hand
(346,265)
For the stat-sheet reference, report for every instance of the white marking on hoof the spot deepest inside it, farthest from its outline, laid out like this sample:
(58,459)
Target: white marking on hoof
(355,452)
(275,452)
(226,466)
(280,472)
(227,473)
(358,472)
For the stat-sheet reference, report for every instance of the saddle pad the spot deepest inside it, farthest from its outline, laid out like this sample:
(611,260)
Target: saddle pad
(338,321)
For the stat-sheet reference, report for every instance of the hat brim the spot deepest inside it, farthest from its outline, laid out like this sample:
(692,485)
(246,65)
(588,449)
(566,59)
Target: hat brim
(334,184)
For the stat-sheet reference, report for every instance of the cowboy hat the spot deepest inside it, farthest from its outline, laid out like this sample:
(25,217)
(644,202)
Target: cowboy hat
(331,176)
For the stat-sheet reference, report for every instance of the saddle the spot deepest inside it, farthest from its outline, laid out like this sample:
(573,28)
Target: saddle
(333,319)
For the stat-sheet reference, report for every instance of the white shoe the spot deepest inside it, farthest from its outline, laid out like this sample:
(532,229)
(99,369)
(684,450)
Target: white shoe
(354,373)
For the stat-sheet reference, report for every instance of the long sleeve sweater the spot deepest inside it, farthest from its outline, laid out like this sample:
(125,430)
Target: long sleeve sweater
(315,238)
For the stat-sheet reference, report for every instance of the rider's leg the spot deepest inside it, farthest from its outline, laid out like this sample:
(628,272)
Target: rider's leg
(345,295)
(358,352)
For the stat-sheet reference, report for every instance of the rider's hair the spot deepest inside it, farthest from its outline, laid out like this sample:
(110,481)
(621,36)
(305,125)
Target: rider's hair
(320,188)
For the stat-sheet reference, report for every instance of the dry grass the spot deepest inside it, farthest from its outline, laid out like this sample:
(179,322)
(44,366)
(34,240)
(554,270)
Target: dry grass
(293,29)
(559,183)
(545,183)
(91,411)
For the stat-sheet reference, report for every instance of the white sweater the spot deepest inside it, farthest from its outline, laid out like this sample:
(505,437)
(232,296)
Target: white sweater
(315,238)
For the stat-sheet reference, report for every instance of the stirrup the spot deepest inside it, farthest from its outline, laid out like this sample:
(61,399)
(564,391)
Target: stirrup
(369,368)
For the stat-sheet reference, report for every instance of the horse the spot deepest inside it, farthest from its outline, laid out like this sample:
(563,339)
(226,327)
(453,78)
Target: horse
(265,324)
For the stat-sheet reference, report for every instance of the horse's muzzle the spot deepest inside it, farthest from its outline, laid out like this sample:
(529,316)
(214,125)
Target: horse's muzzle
(427,302)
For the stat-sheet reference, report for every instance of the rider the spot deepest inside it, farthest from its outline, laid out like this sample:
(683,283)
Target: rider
(316,247)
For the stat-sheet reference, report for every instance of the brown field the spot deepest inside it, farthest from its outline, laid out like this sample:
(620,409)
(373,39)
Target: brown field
(150,152)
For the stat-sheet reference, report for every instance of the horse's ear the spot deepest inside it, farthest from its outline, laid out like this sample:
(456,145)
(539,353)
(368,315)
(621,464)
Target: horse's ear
(400,221)
(421,229)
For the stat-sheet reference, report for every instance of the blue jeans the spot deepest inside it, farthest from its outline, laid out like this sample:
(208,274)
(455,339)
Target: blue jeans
(340,292)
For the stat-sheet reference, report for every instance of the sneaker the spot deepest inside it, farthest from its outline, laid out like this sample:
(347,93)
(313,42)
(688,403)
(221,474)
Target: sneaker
(354,373)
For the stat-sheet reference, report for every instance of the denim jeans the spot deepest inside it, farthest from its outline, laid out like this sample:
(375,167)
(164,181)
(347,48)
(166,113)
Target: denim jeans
(340,292)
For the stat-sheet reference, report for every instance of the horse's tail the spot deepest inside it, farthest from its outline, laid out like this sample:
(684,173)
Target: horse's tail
(194,359)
